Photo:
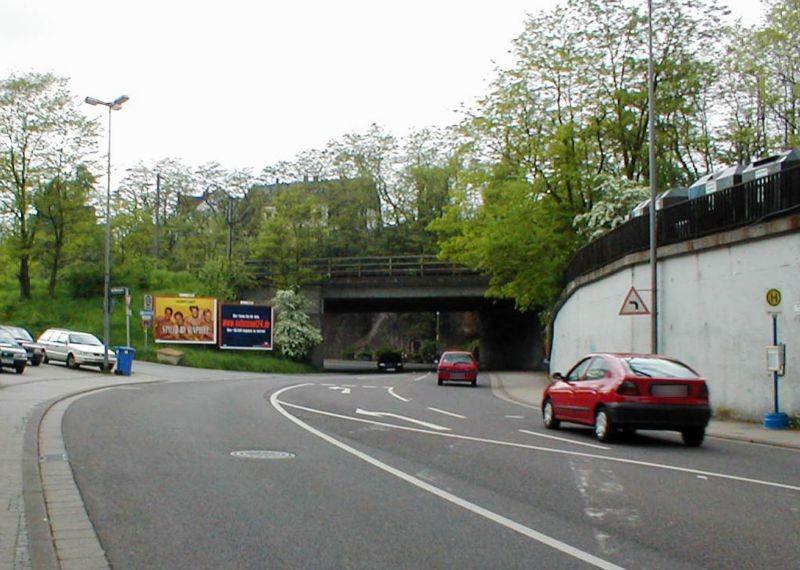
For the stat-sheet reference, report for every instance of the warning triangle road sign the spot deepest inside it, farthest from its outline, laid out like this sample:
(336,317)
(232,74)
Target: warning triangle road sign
(633,304)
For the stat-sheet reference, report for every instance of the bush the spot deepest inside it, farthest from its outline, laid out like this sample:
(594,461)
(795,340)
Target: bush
(295,336)
(429,350)
(85,281)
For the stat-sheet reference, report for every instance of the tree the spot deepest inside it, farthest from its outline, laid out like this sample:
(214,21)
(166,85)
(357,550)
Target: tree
(65,221)
(292,234)
(569,113)
(42,136)
(295,336)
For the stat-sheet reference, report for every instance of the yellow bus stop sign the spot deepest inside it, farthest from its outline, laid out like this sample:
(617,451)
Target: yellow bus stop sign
(773,297)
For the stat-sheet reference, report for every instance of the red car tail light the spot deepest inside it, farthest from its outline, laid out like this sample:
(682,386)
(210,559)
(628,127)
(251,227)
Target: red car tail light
(628,388)
(702,391)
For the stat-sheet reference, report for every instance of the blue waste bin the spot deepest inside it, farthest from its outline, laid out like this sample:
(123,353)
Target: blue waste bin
(125,356)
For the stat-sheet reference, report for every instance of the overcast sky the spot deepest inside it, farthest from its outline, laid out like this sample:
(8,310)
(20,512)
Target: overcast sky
(249,83)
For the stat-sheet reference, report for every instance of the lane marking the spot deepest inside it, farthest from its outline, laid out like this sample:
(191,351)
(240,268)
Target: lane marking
(605,502)
(369,386)
(445,412)
(515,417)
(441,493)
(392,393)
(341,389)
(422,377)
(548,436)
(553,450)
(403,418)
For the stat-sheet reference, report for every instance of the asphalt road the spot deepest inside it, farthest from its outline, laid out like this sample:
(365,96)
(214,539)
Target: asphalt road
(392,471)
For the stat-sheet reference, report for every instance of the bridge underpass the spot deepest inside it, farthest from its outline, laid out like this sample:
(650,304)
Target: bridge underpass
(508,339)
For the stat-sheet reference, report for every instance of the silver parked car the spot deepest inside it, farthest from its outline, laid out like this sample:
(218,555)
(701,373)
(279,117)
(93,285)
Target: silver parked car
(75,348)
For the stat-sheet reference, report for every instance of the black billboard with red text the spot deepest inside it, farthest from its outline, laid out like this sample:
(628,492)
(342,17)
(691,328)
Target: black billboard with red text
(245,327)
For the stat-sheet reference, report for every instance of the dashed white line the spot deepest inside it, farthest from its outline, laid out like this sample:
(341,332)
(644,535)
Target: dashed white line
(441,493)
(422,377)
(553,450)
(445,412)
(401,398)
(515,417)
(548,436)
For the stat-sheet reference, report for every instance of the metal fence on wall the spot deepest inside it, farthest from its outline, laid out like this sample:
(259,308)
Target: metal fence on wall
(366,267)
(741,205)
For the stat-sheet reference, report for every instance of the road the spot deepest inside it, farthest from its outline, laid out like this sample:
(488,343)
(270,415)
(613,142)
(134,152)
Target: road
(391,471)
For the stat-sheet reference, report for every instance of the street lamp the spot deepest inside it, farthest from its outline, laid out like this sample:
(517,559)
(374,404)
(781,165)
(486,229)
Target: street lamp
(114,105)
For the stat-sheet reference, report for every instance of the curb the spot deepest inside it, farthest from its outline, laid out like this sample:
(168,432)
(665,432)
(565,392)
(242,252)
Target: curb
(41,543)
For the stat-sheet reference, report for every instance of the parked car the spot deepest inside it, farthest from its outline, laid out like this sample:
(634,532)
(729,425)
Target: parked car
(627,392)
(457,366)
(390,362)
(12,354)
(75,348)
(25,340)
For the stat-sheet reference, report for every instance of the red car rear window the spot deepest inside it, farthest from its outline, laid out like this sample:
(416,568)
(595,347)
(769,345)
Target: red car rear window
(457,359)
(658,368)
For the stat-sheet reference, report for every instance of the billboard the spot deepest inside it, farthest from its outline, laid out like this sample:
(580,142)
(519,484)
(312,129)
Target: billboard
(245,327)
(183,319)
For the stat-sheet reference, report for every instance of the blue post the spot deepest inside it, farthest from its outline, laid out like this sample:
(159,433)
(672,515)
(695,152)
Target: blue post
(775,373)
(776,420)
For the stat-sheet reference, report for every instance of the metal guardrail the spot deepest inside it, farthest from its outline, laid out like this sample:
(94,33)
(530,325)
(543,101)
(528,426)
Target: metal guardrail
(741,205)
(331,269)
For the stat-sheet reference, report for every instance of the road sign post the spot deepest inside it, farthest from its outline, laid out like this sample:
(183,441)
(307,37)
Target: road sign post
(775,420)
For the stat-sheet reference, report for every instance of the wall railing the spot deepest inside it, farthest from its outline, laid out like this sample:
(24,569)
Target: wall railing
(741,205)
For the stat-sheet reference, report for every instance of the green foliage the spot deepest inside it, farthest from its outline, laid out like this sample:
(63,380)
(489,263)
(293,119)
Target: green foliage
(295,336)
(428,350)
(224,279)
(85,281)
(292,235)
(42,137)
(520,239)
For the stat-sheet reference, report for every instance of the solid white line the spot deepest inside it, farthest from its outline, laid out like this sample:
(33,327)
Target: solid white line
(401,398)
(441,493)
(422,377)
(552,449)
(448,413)
(548,436)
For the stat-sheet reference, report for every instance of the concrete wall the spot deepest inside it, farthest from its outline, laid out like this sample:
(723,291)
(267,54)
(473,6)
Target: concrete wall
(712,313)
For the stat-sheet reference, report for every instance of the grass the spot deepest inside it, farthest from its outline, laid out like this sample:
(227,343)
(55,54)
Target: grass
(40,313)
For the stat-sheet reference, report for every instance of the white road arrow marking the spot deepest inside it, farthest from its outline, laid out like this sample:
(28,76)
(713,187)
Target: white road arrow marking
(342,389)
(401,398)
(399,417)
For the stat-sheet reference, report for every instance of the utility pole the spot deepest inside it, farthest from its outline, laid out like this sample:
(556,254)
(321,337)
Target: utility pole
(158,205)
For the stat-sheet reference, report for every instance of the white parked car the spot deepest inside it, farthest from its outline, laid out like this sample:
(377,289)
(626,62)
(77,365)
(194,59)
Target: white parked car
(75,348)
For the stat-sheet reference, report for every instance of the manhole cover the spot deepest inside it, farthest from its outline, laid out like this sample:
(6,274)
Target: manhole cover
(262,454)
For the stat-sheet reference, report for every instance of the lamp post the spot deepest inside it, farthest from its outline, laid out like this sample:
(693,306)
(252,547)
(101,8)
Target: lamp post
(653,183)
(114,105)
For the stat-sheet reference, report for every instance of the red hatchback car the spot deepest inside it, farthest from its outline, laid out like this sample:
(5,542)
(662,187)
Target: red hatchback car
(629,391)
(457,366)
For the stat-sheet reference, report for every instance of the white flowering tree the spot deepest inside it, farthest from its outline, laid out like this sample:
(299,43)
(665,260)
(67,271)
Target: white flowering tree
(614,198)
(295,336)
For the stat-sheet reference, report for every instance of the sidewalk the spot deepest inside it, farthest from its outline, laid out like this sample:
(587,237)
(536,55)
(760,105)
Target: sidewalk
(525,388)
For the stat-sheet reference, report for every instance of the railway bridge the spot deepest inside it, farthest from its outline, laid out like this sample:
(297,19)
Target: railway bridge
(413,284)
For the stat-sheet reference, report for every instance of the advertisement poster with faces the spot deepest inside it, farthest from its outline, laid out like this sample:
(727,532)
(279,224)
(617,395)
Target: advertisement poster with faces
(187,320)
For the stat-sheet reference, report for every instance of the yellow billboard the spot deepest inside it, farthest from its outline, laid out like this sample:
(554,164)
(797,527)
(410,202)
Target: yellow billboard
(183,319)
